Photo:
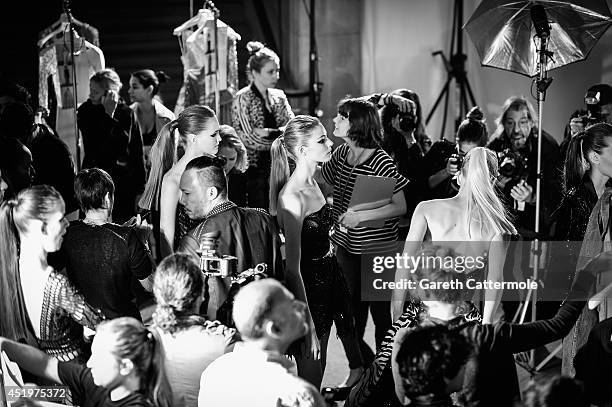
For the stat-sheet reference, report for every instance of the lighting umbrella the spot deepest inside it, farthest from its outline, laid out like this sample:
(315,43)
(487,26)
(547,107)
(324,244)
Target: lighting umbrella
(502,32)
(531,38)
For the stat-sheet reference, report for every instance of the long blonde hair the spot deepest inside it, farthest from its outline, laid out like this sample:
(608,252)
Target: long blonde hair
(297,133)
(479,171)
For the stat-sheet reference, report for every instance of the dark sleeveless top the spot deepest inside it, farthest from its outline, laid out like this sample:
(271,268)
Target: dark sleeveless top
(149,138)
(315,231)
(326,289)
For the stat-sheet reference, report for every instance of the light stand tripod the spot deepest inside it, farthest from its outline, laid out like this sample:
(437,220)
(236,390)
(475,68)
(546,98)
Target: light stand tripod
(540,22)
(67,11)
(455,70)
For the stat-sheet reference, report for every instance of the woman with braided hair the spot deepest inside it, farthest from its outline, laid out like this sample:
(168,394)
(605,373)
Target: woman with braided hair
(190,341)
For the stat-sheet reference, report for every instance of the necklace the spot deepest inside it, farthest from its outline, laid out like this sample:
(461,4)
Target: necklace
(357,162)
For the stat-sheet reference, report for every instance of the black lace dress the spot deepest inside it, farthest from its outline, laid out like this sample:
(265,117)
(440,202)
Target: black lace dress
(326,290)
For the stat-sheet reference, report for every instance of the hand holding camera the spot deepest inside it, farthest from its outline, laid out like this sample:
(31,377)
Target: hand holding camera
(522,192)
(453,165)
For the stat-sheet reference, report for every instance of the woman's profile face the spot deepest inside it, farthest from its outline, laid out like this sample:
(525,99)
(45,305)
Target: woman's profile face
(55,229)
(605,159)
(137,92)
(207,141)
(268,75)
(342,126)
(230,155)
(105,368)
(319,147)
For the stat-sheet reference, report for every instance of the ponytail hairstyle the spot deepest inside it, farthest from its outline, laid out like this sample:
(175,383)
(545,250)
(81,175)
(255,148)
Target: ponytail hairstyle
(35,203)
(473,128)
(297,134)
(479,170)
(163,155)
(259,55)
(144,349)
(177,288)
(593,139)
(169,147)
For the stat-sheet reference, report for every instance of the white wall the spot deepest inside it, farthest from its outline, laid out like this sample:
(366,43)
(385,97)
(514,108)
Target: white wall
(398,37)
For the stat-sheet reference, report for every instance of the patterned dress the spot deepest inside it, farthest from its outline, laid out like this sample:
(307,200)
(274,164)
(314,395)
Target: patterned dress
(64,313)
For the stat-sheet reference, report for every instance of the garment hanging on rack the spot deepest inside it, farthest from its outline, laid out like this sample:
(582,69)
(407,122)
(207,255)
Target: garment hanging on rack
(55,68)
(196,41)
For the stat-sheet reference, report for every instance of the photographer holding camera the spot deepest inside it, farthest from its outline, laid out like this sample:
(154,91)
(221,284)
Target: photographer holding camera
(444,160)
(402,131)
(248,234)
(598,101)
(516,142)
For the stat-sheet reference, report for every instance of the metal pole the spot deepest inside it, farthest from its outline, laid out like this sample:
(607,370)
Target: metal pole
(74,84)
(313,62)
(536,248)
(217,77)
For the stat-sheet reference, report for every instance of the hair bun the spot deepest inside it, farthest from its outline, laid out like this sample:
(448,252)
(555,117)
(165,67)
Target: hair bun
(475,114)
(254,46)
(161,76)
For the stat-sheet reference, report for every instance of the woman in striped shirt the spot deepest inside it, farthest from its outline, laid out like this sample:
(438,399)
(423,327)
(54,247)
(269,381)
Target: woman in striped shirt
(358,124)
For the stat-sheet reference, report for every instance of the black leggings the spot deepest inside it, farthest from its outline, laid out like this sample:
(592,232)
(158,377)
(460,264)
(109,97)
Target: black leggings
(380,310)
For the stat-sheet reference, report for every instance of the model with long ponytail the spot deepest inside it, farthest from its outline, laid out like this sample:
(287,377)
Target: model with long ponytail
(197,131)
(39,305)
(313,273)
(475,220)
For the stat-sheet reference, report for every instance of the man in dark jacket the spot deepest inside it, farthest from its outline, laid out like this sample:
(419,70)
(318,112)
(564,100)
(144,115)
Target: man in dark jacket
(249,234)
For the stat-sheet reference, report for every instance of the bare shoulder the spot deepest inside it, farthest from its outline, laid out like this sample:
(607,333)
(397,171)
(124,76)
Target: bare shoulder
(292,201)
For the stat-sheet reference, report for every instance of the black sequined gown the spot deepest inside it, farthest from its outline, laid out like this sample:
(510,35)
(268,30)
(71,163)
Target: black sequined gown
(326,290)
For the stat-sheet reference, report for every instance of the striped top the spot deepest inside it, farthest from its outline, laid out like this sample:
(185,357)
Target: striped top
(337,172)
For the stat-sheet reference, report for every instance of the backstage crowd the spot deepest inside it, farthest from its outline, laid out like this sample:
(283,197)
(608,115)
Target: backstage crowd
(113,281)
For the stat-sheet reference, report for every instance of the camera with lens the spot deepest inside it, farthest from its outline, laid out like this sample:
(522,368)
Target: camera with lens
(211,263)
(457,159)
(596,97)
(512,164)
(407,121)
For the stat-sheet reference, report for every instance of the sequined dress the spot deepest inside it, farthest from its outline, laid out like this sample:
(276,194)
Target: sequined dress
(64,313)
(326,290)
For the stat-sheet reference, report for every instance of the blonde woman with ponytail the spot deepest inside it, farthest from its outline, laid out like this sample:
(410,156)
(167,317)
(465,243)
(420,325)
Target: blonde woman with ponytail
(475,221)
(313,274)
(194,133)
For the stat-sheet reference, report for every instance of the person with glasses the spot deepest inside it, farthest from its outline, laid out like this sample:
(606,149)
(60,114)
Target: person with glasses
(442,162)
(249,234)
